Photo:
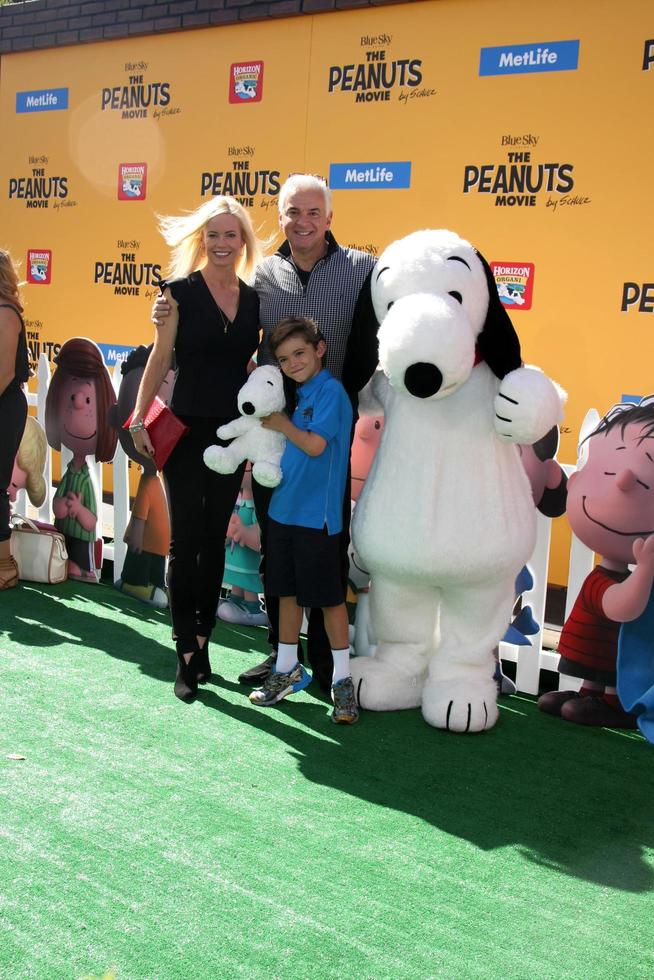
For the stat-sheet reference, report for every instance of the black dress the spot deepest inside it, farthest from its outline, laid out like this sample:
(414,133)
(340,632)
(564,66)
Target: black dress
(212,355)
(13,412)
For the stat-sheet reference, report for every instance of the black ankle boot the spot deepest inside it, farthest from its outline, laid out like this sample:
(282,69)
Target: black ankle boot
(202,663)
(186,681)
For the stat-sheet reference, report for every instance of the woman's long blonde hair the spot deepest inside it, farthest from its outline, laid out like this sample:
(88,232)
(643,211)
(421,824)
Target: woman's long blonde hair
(184,234)
(9,282)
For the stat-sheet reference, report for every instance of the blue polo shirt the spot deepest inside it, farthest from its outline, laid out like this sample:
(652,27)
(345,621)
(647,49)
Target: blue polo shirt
(312,488)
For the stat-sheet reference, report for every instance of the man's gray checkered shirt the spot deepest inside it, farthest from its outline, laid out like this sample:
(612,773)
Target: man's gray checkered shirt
(329,297)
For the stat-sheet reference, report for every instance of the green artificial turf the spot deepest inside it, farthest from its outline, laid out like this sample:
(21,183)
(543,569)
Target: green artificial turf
(164,840)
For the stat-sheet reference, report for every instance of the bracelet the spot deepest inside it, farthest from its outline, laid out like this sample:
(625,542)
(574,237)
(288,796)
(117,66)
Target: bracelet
(137,426)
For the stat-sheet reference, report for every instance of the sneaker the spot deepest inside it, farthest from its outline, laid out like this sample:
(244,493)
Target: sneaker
(152,595)
(345,710)
(278,686)
(257,675)
(236,614)
(158,599)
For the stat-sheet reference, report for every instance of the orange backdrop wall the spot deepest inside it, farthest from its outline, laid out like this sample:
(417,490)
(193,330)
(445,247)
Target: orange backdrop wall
(526,128)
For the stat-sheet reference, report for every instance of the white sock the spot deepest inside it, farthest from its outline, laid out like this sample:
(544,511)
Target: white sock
(286,657)
(341,664)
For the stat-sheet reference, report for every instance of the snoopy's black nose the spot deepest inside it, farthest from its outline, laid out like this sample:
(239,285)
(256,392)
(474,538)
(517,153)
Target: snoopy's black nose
(422,380)
(248,408)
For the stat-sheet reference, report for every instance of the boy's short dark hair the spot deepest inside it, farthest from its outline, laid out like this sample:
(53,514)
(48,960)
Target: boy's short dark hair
(294,326)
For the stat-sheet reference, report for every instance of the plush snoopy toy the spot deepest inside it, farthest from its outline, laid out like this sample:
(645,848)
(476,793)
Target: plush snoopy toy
(262,394)
(446,519)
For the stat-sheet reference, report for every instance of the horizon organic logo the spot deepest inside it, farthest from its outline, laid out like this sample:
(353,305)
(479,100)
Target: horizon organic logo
(515,283)
(132,181)
(39,266)
(246,82)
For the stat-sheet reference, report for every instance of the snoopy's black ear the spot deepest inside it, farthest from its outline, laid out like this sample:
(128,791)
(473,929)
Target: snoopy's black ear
(498,342)
(362,352)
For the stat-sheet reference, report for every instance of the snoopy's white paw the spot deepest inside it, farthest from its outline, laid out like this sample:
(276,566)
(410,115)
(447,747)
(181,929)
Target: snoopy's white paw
(461,705)
(380,686)
(267,474)
(218,458)
(527,406)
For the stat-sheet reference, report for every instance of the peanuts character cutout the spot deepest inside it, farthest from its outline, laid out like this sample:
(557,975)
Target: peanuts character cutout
(611,510)
(147,535)
(77,416)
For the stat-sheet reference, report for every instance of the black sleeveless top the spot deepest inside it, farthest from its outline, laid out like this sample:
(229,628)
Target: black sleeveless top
(22,368)
(212,352)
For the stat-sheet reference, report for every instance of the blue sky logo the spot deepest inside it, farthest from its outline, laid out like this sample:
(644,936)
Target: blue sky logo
(43,100)
(519,59)
(370,176)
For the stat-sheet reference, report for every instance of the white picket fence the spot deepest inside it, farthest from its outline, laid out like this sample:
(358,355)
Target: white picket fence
(530,660)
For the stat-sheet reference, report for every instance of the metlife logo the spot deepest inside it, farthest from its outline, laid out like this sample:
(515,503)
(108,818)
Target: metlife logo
(370,176)
(520,59)
(114,353)
(43,100)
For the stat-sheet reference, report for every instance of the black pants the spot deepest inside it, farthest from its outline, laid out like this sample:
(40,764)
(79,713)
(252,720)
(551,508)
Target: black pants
(13,412)
(200,503)
(319,649)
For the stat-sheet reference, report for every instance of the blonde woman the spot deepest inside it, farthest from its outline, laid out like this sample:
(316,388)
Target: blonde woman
(14,372)
(213,331)
(30,463)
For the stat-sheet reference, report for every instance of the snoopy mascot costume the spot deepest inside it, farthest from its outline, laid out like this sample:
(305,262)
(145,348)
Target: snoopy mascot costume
(446,519)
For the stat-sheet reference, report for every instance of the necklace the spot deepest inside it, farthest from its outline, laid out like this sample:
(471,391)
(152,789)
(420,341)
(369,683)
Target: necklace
(226,323)
(230,290)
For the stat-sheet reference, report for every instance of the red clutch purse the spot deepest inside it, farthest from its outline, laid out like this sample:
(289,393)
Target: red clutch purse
(164,429)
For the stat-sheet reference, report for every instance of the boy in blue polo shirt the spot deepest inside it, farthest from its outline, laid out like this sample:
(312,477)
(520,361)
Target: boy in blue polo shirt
(305,516)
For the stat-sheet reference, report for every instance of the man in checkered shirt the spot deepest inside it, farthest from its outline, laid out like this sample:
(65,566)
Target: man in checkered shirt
(310,275)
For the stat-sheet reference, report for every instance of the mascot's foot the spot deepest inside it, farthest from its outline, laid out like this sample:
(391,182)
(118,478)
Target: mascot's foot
(380,686)
(460,705)
(266,474)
